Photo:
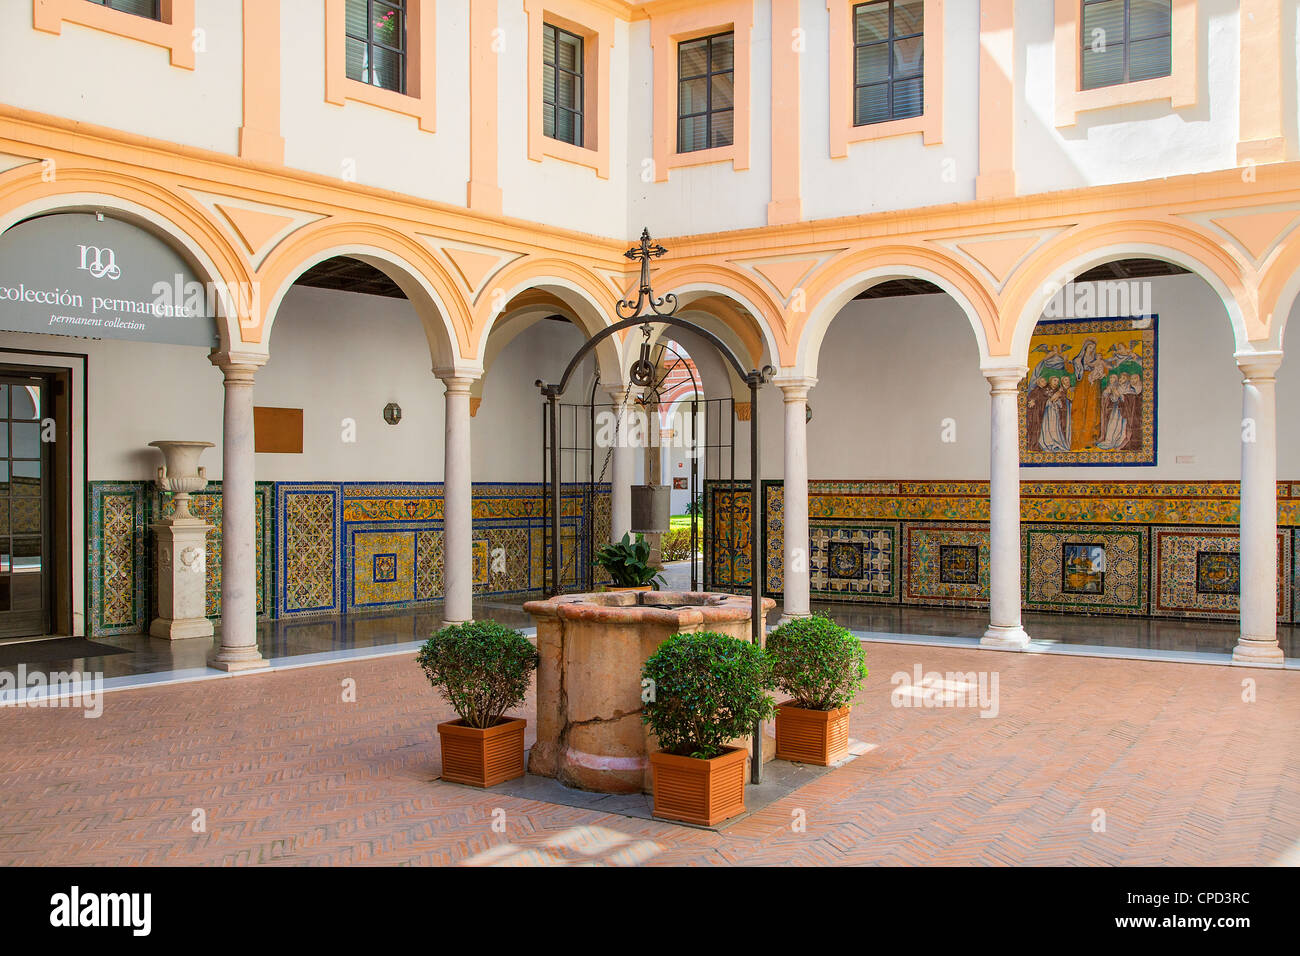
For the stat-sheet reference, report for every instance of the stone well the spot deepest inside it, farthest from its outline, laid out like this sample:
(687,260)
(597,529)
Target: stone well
(592,647)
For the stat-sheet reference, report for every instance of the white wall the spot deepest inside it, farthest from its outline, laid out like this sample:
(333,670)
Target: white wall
(96,77)
(1128,143)
(377,147)
(553,191)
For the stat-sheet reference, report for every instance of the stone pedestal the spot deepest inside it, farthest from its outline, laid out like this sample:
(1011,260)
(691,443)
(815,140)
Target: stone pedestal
(182,580)
(592,648)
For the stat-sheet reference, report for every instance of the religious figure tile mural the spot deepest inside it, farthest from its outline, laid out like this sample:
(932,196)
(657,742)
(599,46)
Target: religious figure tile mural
(1090,396)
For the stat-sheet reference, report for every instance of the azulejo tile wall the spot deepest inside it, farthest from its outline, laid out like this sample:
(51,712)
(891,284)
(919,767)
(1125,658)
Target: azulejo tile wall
(344,546)
(1164,549)
(331,547)
(120,559)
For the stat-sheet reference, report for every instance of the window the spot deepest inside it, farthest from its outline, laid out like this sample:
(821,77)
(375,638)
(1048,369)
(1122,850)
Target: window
(1124,41)
(705,92)
(562,78)
(376,43)
(888,60)
(141,8)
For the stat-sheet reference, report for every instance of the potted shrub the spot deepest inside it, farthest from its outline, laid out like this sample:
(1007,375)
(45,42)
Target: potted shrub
(821,666)
(704,690)
(484,669)
(628,563)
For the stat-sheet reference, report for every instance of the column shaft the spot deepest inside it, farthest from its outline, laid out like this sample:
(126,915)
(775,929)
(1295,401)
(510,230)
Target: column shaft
(238,648)
(1258,643)
(795,570)
(457,506)
(1005,630)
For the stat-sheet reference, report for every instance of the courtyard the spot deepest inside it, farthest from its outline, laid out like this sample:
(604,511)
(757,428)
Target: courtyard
(1085,762)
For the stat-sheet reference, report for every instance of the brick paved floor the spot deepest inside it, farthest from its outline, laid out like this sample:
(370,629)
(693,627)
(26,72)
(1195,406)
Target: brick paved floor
(1183,769)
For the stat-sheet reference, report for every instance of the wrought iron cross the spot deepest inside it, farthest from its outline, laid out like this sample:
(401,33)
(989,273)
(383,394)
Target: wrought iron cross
(646,250)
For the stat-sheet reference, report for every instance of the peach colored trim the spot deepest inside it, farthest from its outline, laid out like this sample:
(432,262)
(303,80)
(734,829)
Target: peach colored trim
(929,124)
(1179,87)
(997,136)
(483,192)
(418,101)
(161,176)
(1263,136)
(596,28)
(288,258)
(1213,256)
(669,26)
(259,137)
(174,32)
(787,46)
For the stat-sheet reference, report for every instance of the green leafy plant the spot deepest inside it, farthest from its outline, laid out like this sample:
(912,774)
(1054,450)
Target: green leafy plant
(696,508)
(483,668)
(676,544)
(628,562)
(704,690)
(818,663)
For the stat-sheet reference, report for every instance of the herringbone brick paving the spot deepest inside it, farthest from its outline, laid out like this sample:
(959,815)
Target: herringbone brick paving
(1184,770)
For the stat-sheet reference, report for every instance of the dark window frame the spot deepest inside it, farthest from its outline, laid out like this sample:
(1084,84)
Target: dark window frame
(371,44)
(580,78)
(155,15)
(1085,46)
(708,75)
(893,79)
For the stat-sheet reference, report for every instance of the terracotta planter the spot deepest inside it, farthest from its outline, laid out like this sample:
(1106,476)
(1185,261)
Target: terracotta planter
(482,757)
(704,792)
(818,737)
(639,587)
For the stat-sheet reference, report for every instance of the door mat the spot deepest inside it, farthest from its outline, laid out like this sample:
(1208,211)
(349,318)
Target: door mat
(56,649)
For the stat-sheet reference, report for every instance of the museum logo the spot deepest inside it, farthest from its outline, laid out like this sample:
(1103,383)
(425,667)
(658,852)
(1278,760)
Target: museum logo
(100,262)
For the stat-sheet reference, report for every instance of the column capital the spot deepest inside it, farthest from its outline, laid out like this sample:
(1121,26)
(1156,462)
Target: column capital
(1004,378)
(239,367)
(1258,366)
(795,388)
(459,373)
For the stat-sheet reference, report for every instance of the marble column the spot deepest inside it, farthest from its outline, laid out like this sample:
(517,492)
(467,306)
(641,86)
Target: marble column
(1005,630)
(238,648)
(622,467)
(795,558)
(457,505)
(1257,643)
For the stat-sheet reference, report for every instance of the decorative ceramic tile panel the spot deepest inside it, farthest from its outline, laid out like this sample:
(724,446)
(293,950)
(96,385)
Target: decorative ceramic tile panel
(116,558)
(308,544)
(946,564)
(382,565)
(1198,575)
(858,563)
(112,547)
(1099,569)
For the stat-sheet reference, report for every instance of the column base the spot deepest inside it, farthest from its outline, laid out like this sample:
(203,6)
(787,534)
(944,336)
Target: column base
(1258,653)
(237,661)
(1005,638)
(795,616)
(180,629)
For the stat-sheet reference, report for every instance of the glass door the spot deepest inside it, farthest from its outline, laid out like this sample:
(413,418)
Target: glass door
(24,507)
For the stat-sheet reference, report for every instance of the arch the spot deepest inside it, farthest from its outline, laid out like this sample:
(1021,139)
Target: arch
(587,299)
(168,216)
(830,292)
(722,380)
(758,320)
(403,259)
(1075,251)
